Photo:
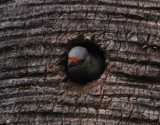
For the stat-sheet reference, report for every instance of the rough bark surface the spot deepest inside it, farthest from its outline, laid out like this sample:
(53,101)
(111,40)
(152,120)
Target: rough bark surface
(33,37)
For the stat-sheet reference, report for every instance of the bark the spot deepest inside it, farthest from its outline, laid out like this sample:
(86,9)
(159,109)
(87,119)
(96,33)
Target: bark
(33,39)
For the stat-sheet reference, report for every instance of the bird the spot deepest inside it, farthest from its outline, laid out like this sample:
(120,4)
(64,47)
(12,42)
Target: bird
(84,66)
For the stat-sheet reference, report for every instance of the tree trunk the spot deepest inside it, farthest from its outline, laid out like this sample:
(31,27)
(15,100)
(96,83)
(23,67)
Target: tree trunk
(33,39)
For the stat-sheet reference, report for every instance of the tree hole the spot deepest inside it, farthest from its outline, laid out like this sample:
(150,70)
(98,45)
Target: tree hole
(93,49)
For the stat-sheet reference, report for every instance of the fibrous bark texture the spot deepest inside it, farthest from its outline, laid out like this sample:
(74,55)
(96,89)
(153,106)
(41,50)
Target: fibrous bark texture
(33,38)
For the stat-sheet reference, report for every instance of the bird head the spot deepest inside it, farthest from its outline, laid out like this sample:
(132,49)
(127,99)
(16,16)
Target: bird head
(77,56)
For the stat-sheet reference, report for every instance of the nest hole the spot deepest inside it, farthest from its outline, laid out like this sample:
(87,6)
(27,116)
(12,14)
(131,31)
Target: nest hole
(91,46)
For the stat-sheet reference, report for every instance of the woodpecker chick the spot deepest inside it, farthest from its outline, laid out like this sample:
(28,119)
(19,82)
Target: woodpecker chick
(84,66)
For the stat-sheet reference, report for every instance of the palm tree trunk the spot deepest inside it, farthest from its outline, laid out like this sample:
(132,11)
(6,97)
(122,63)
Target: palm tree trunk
(33,39)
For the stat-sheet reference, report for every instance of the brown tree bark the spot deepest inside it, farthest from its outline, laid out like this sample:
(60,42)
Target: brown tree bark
(33,38)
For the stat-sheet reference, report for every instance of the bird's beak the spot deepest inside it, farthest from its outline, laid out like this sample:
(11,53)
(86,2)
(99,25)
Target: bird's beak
(71,64)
